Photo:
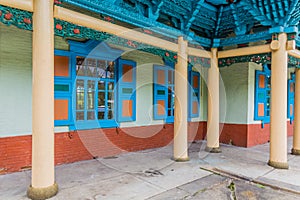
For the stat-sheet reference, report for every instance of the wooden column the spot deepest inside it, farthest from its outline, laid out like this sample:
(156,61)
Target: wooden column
(278,124)
(296,138)
(213,105)
(42,184)
(181,108)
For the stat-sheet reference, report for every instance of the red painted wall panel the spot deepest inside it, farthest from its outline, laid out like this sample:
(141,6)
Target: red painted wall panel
(15,152)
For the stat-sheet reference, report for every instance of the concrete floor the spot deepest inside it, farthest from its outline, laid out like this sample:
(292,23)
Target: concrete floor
(236,173)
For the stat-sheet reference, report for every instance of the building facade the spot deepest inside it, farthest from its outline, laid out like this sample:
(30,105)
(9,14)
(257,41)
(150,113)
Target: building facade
(82,80)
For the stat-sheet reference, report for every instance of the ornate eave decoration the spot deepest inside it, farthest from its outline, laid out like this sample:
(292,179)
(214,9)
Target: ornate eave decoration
(23,20)
(204,62)
(257,58)
(19,18)
(293,61)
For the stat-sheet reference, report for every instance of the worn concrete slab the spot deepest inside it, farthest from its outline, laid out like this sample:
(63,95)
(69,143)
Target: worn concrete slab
(152,174)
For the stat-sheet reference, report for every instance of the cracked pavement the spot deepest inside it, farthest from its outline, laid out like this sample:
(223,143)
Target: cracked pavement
(236,173)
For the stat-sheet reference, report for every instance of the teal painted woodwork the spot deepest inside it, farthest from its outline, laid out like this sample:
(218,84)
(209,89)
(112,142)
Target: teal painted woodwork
(203,22)
(257,58)
(19,18)
(291,97)
(262,95)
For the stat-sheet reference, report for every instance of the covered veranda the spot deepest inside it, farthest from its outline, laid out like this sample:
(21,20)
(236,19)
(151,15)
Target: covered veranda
(281,34)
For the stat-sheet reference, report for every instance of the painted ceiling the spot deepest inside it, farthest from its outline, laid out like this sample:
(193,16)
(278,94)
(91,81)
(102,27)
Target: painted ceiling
(206,22)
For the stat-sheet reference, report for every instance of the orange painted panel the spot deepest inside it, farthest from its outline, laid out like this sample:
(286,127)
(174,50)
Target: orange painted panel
(195,107)
(261,110)
(195,82)
(61,109)
(161,77)
(292,87)
(127,108)
(261,81)
(127,73)
(291,109)
(61,66)
(161,108)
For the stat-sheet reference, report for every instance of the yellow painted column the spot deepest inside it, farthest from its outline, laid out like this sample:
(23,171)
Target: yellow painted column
(278,115)
(42,184)
(213,105)
(296,138)
(181,107)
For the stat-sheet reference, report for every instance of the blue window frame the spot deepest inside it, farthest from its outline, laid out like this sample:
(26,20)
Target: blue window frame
(262,95)
(94,104)
(63,86)
(164,95)
(291,98)
(99,87)
(194,94)
(126,87)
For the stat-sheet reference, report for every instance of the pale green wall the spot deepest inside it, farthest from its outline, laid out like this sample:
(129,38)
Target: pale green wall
(15,81)
(233,104)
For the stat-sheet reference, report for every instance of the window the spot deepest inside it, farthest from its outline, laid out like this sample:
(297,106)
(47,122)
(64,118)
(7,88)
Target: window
(291,98)
(194,94)
(95,96)
(94,88)
(62,88)
(164,95)
(262,95)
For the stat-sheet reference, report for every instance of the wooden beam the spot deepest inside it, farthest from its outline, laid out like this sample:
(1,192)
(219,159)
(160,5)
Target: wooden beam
(20,4)
(245,51)
(114,29)
(295,53)
(100,25)
(199,53)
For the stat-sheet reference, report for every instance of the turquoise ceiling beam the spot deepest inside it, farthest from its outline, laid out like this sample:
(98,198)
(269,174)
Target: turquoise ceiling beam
(192,17)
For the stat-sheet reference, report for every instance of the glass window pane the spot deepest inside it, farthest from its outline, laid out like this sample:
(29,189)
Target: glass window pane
(100,115)
(91,115)
(101,85)
(91,67)
(110,114)
(110,70)
(79,94)
(111,85)
(79,115)
(169,112)
(110,100)
(80,66)
(91,85)
(91,100)
(101,100)
(101,68)
(170,97)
